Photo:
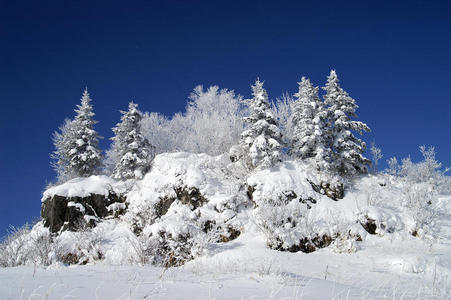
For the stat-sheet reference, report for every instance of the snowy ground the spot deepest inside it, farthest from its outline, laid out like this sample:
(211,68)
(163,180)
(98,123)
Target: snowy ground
(246,269)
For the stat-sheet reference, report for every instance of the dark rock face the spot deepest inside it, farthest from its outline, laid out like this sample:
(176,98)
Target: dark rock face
(228,234)
(333,191)
(308,201)
(287,196)
(163,205)
(307,245)
(190,196)
(369,225)
(375,227)
(62,213)
(250,193)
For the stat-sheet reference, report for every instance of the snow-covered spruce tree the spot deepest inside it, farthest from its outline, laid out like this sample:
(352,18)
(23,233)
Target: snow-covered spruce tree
(60,157)
(309,119)
(348,158)
(132,151)
(261,142)
(77,152)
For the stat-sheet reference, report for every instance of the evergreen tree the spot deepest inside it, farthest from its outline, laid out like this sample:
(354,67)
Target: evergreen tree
(60,157)
(77,153)
(308,119)
(348,149)
(132,151)
(261,143)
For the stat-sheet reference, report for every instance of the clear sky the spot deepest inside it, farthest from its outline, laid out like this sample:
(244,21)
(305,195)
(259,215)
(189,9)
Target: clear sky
(393,57)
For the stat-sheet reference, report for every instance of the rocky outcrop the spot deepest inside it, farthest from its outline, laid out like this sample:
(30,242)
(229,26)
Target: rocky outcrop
(333,191)
(71,213)
(190,196)
(306,245)
(369,225)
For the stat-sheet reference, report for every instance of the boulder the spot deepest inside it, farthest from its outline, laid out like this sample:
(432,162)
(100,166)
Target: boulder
(70,213)
(333,191)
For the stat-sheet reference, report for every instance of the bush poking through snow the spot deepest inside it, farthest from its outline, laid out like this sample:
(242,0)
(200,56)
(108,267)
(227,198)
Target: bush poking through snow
(27,246)
(421,183)
(13,250)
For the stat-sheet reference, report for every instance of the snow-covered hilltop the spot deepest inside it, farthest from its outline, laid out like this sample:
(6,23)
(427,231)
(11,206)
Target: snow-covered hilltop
(197,211)
(289,197)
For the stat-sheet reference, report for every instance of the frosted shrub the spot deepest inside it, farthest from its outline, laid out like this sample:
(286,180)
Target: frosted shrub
(24,246)
(287,225)
(422,182)
(170,251)
(376,154)
(429,170)
(42,245)
(174,245)
(79,247)
(344,243)
(419,200)
(14,250)
(282,109)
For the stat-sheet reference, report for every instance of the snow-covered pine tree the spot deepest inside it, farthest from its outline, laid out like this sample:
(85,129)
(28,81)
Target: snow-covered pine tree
(85,156)
(309,119)
(60,157)
(348,149)
(261,142)
(133,152)
(77,152)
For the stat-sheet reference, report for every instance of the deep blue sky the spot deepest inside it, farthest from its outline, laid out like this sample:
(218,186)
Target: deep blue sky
(394,58)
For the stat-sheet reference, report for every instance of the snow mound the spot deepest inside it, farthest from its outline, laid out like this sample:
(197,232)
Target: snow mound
(294,217)
(185,202)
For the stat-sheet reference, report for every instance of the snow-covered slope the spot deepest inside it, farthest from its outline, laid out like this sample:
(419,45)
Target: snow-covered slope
(219,228)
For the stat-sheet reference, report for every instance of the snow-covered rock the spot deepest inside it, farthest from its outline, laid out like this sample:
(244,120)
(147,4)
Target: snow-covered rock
(81,187)
(81,201)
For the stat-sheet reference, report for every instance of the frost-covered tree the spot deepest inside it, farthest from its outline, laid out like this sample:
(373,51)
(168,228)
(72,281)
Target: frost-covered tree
(212,123)
(132,151)
(348,149)
(213,119)
(282,109)
(429,170)
(261,142)
(60,157)
(157,128)
(309,120)
(376,154)
(77,152)
(85,157)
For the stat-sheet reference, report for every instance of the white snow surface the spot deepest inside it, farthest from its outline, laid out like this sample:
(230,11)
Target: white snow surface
(81,187)
(390,264)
